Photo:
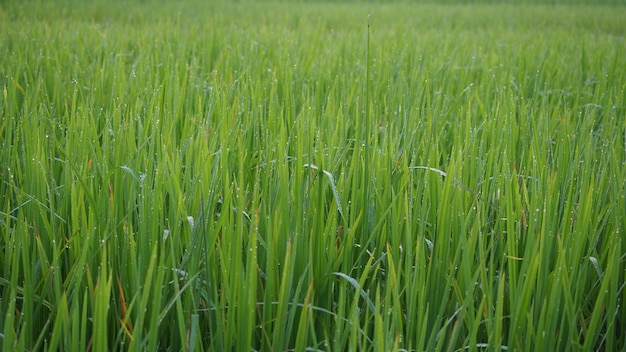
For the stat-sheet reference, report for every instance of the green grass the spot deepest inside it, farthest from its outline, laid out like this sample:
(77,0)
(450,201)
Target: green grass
(312,176)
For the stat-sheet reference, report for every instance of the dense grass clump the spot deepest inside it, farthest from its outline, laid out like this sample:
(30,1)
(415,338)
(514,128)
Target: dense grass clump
(312,176)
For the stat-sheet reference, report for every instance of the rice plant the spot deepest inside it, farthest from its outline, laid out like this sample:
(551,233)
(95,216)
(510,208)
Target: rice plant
(332,176)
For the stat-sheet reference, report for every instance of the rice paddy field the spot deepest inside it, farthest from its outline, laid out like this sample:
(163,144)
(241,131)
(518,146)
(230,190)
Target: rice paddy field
(312,176)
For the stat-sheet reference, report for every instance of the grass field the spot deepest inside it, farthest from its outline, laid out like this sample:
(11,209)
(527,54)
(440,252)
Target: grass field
(291,176)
